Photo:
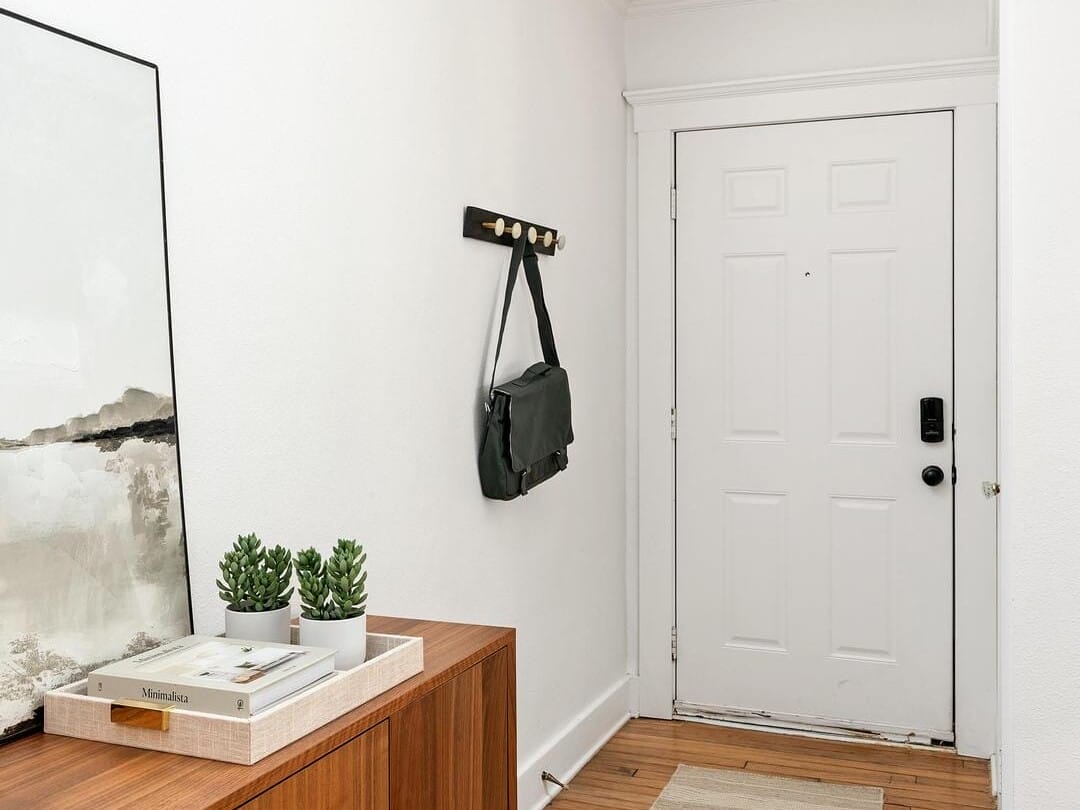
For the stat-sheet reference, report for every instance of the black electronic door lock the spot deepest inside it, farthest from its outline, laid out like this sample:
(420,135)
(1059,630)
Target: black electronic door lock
(932,419)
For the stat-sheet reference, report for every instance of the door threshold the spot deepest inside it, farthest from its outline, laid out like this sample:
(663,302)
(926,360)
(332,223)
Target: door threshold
(791,726)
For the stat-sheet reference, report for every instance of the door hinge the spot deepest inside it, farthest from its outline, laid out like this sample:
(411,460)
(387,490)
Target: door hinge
(674,203)
(991,489)
(674,643)
(674,424)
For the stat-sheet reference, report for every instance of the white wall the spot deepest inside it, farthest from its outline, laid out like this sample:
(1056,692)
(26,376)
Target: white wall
(753,38)
(1040,553)
(332,326)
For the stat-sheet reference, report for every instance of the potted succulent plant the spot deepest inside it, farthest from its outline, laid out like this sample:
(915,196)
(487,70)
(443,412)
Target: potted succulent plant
(255,586)
(333,601)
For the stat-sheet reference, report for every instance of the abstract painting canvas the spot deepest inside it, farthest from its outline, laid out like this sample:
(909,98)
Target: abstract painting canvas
(92,557)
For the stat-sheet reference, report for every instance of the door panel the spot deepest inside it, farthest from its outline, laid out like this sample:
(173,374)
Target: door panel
(755,599)
(753,402)
(813,312)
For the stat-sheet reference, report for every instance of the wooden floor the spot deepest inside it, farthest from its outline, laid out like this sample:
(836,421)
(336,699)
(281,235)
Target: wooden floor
(632,769)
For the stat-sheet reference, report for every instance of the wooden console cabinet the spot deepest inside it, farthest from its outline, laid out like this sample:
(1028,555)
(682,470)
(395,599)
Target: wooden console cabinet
(442,740)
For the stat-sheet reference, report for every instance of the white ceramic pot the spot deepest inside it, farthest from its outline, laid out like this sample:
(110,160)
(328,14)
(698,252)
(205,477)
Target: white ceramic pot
(347,636)
(269,625)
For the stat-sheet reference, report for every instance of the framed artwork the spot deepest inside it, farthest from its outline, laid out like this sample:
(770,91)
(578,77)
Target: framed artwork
(93,564)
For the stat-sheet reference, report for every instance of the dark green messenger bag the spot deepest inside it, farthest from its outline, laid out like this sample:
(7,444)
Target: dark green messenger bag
(528,419)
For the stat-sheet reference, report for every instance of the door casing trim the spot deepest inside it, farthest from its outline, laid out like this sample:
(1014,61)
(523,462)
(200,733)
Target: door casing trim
(651,363)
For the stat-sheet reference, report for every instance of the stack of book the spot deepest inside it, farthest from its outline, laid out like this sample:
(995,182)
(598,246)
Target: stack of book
(214,675)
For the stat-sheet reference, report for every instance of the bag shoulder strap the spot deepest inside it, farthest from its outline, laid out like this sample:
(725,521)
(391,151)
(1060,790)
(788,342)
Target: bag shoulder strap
(543,319)
(511,280)
(523,250)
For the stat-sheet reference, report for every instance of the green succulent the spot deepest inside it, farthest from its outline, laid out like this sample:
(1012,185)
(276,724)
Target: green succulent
(334,588)
(255,579)
(311,578)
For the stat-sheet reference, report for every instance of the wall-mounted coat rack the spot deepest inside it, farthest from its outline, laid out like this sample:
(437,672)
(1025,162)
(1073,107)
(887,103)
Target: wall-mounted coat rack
(489,226)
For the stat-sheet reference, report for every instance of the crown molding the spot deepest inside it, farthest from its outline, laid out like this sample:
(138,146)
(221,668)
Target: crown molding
(653,8)
(948,69)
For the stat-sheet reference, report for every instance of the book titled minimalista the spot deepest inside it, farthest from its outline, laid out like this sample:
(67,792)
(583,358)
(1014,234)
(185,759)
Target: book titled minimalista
(214,675)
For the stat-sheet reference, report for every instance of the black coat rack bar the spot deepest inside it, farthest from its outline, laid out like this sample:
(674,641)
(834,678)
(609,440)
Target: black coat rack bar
(490,226)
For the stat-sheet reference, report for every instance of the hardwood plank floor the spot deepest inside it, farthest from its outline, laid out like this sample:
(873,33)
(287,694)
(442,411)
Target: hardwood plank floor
(632,769)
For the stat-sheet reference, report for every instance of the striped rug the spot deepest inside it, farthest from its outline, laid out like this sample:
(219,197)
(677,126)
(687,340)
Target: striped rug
(710,789)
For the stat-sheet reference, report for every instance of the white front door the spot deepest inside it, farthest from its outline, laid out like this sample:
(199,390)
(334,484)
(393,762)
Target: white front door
(814,310)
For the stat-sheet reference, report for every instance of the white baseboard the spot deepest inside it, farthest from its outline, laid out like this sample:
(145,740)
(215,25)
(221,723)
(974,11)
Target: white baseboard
(568,751)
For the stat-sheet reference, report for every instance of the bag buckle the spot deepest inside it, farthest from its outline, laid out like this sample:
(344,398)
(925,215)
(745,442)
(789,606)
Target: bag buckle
(525,482)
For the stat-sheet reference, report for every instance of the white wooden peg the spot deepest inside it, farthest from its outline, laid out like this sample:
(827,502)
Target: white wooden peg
(499,226)
(549,239)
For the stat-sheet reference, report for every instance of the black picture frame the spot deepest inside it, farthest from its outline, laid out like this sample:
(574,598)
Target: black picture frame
(35,724)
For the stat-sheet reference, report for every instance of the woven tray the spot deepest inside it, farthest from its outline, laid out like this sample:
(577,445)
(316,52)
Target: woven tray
(390,660)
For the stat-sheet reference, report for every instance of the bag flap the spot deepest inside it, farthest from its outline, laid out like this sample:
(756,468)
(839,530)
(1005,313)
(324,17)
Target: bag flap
(539,414)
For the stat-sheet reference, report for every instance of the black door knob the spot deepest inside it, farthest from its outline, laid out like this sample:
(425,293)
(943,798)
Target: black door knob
(933,475)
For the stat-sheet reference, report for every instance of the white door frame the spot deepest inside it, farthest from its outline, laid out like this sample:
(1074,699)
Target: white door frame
(968,87)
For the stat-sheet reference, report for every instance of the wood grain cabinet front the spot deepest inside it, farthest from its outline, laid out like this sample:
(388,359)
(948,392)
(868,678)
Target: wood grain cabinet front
(453,749)
(355,776)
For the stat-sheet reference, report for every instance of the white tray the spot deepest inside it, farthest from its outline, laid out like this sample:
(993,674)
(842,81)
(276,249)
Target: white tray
(390,660)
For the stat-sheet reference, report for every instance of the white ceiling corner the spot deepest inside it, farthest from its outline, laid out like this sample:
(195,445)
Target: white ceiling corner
(649,8)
